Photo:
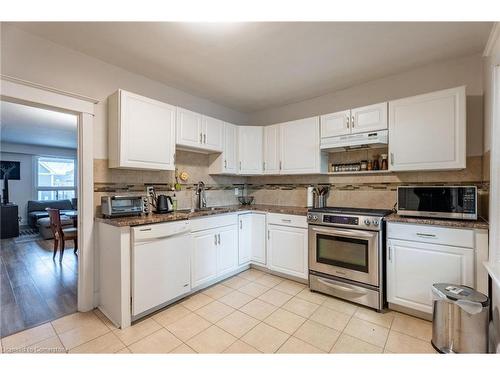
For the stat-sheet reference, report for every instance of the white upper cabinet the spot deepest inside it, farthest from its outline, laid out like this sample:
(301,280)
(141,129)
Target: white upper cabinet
(427,132)
(199,133)
(369,118)
(250,150)
(213,133)
(334,124)
(272,149)
(300,152)
(353,121)
(141,132)
(227,161)
(189,132)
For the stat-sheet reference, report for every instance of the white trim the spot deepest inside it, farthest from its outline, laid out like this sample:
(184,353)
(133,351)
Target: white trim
(48,88)
(39,96)
(492,39)
(495,170)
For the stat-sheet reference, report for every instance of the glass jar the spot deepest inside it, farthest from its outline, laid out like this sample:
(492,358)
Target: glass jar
(369,165)
(363,165)
(383,162)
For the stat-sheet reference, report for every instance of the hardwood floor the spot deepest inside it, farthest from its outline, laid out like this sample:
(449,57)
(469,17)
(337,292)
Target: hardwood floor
(35,289)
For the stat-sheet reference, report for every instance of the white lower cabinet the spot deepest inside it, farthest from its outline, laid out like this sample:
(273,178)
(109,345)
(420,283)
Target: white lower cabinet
(412,267)
(227,249)
(204,259)
(287,250)
(252,238)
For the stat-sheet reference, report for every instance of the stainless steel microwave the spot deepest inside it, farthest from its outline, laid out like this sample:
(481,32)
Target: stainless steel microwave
(448,202)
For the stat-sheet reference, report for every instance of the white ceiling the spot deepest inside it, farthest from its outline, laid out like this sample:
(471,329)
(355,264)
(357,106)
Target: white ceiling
(253,66)
(35,126)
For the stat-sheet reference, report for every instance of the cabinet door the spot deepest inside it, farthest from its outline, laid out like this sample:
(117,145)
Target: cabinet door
(147,137)
(369,118)
(227,249)
(300,151)
(230,148)
(189,131)
(250,149)
(258,236)
(334,124)
(244,238)
(204,259)
(427,132)
(213,134)
(272,149)
(287,248)
(412,268)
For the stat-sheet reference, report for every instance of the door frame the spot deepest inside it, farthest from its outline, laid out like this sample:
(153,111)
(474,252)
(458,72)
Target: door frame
(24,92)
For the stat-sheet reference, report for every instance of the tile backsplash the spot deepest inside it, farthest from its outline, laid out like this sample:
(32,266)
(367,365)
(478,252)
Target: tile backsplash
(377,191)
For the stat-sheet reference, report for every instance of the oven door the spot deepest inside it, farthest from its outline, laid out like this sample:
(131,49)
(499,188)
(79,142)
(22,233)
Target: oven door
(346,253)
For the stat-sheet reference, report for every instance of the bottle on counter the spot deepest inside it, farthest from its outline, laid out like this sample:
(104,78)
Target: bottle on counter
(383,162)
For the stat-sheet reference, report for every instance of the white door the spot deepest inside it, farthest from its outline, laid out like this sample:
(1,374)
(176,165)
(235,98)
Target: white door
(272,149)
(412,268)
(227,249)
(335,124)
(213,134)
(258,235)
(250,149)
(427,132)
(369,118)
(230,152)
(300,152)
(147,138)
(287,250)
(161,272)
(189,129)
(244,238)
(204,258)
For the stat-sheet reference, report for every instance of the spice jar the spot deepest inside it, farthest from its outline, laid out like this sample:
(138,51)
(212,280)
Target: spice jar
(363,165)
(383,162)
(369,165)
(376,164)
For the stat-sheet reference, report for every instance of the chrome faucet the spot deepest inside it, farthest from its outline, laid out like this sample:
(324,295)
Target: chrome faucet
(200,192)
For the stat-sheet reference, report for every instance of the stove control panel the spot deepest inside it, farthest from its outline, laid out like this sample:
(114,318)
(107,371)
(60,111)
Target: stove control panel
(373,223)
(337,219)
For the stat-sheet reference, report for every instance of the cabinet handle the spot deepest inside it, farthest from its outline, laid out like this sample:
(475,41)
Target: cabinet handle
(241,224)
(390,255)
(352,121)
(268,234)
(286,220)
(218,236)
(392,158)
(280,165)
(240,165)
(204,138)
(426,235)
(225,163)
(201,137)
(347,118)
(263,165)
(215,239)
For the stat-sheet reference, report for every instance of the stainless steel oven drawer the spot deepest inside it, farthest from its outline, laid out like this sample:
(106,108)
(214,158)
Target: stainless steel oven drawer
(350,292)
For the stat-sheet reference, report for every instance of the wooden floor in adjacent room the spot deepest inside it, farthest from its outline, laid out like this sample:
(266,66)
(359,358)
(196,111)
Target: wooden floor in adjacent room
(34,288)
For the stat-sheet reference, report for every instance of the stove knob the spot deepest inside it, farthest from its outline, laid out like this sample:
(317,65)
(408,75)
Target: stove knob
(367,222)
(375,222)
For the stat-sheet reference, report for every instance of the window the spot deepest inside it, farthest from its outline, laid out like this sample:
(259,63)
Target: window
(55,178)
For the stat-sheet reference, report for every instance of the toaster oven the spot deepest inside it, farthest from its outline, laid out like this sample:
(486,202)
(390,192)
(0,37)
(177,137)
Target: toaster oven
(122,205)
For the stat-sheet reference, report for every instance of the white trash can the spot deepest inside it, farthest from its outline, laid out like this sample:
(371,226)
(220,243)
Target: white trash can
(460,319)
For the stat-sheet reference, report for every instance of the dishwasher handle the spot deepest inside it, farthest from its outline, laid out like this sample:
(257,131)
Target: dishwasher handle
(153,232)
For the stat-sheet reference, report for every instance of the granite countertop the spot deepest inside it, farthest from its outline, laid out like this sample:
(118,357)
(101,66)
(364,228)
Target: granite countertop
(464,224)
(188,214)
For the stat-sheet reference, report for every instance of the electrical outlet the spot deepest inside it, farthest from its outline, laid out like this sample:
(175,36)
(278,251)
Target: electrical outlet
(150,190)
(236,191)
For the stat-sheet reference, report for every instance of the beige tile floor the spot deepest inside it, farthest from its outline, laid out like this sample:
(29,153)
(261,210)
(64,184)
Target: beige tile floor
(252,312)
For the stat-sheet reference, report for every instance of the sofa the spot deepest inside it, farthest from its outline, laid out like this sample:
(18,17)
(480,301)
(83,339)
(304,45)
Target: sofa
(38,217)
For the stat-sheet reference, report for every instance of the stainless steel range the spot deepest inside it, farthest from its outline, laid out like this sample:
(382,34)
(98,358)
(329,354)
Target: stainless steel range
(346,253)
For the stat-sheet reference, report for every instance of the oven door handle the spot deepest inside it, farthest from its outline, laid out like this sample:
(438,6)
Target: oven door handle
(332,284)
(335,231)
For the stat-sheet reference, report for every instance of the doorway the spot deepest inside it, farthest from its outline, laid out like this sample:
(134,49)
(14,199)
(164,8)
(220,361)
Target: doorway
(39,209)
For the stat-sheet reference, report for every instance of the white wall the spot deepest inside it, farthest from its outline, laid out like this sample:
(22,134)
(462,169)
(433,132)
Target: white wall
(463,71)
(35,59)
(21,191)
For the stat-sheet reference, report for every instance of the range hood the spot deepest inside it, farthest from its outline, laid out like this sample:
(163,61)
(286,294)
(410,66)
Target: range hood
(348,142)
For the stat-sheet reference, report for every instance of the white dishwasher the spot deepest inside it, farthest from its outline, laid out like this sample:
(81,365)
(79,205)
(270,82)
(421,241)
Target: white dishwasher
(160,265)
